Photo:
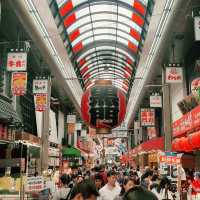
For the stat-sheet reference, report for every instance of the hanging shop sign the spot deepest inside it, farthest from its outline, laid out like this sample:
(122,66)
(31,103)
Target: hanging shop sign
(174,74)
(40,86)
(147,116)
(17,61)
(155,101)
(78,126)
(187,122)
(71,118)
(197,28)
(151,132)
(137,125)
(34,184)
(18,83)
(41,102)
(71,124)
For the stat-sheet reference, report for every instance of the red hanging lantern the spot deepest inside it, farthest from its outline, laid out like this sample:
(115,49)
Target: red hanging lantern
(194,140)
(103,106)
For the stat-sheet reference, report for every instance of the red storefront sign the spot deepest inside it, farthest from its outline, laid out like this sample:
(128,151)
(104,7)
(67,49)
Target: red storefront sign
(188,122)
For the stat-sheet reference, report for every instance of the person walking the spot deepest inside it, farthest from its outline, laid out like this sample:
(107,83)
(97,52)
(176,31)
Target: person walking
(112,189)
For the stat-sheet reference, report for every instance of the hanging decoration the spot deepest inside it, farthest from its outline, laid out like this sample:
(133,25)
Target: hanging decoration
(103,106)
(19,83)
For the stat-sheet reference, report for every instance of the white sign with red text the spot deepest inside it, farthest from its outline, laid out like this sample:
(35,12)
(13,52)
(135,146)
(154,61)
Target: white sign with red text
(40,86)
(17,61)
(34,184)
(155,101)
(174,75)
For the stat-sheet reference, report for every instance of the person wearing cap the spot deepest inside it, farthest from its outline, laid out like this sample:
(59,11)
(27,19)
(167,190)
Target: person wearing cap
(112,189)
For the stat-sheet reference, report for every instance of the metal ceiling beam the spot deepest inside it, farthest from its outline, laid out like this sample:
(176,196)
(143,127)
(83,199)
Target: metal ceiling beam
(112,57)
(104,43)
(104,2)
(110,53)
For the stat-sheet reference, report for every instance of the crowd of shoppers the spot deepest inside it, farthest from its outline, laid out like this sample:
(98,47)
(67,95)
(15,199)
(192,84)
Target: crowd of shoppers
(122,183)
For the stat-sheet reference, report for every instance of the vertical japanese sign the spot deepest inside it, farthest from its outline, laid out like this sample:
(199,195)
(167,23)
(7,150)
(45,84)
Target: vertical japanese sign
(147,116)
(41,102)
(18,84)
(40,91)
(17,61)
(71,124)
(197,28)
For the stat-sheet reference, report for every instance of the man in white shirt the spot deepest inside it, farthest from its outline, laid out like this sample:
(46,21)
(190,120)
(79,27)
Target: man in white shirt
(112,189)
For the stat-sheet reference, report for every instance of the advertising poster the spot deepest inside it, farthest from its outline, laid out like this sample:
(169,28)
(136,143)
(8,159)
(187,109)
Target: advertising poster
(40,102)
(18,84)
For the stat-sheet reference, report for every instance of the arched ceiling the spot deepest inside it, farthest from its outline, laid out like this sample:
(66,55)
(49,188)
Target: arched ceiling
(103,38)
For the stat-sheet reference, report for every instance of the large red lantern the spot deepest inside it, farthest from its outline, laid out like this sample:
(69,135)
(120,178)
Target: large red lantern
(103,106)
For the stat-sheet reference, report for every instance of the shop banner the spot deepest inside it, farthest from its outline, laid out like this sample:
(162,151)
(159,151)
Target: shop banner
(71,128)
(147,116)
(34,184)
(71,119)
(137,125)
(18,84)
(156,101)
(197,28)
(41,102)
(174,74)
(151,132)
(40,86)
(78,126)
(17,61)
(187,122)
(83,133)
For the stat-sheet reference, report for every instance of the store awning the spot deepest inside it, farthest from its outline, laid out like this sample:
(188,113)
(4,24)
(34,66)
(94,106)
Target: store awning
(151,145)
(71,151)
(7,112)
